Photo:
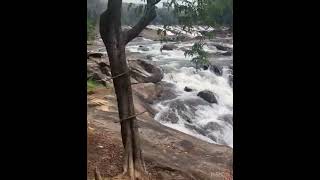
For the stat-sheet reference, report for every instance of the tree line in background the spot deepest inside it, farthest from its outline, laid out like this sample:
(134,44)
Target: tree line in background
(207,12)
(131,14)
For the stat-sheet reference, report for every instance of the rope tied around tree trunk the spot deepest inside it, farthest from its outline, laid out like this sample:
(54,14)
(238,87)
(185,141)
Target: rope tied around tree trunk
(116,76)
(135,115)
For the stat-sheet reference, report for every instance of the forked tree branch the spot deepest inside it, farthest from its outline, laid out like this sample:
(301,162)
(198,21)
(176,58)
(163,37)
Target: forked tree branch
(149,15)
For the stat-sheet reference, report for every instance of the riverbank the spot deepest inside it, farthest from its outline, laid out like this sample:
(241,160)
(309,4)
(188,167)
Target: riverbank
(168,152)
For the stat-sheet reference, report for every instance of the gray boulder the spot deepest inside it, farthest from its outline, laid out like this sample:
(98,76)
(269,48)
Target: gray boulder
(216,69)
(208,96)
(145,72)
(187,89)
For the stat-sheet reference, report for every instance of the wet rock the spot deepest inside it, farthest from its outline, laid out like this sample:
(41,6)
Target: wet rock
(176,109)
(199,130)
(222,47)
(228,53)
(151,93)
(227,118)
(230,80)
(183,109)
(149,57)
(212,137)
(187,89)
(167,91)
(104,68)
(212,126)
(182,37)
(208,96)
(205,67)
(184,48)
(135,55)
(200,38)
(169,116)
(98,68)
(143,48)
(216,69)
(94,73)
(146,91)
(169,47)
(145,72)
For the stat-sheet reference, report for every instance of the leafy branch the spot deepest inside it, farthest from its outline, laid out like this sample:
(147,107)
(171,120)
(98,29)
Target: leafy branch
(201,56)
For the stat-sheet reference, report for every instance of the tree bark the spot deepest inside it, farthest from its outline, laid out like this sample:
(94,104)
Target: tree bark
(115,41)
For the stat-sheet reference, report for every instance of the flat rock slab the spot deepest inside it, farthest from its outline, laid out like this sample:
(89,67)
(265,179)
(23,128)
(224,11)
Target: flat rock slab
(169,150)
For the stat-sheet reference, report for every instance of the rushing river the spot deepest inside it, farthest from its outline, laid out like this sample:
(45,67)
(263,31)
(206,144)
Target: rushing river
(210,122)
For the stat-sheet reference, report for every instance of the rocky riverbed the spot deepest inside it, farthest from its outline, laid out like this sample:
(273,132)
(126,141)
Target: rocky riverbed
(189,114)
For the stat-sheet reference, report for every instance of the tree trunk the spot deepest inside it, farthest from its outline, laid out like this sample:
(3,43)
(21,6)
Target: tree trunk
(115,42)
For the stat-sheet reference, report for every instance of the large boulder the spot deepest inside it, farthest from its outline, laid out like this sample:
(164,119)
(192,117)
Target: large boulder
(169,47)
(98,70)
(208,96)
(145,72)
(154,92)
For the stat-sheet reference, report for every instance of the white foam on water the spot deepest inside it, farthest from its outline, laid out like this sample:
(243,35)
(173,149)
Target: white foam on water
(186,75)
(180,127)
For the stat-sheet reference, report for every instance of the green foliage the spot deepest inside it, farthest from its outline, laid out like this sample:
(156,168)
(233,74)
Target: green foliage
(201,56)
(203,12)
(92,85)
